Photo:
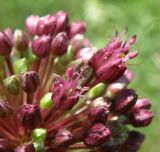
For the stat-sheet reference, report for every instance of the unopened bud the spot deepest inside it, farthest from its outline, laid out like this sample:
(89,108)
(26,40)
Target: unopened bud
(41,46)
(59,44)
(133,142)
(39,134)
(125,100)
(46,25)
(63,138)
(141,118)
(5,44)
(31,24)
(5,108)
(46,101)
(78,27)
(21,40)
(96,135)
(12,84)
(4,146)
(97,90)
(29,115)
(98,114)
(61,20)
(29,81)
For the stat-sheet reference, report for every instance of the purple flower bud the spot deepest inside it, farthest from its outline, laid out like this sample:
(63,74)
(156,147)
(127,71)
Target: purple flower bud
(63,138)
(133,142)
(125,100)
(109,146)
(62,21)
(96,135)
(4,146)
(5,44)
(141,104)
(31,24)
(46,25)
(29,81)
(78,27)
(59,44)
(5,108)
(21,40)
(29,147)
(29,115)
(9,33)
(98,114)
(141,118)
(41,46)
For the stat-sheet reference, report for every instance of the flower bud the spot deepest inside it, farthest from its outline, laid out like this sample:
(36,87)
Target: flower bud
(5,44)
(97,90)
(9,33)
(29,147)
(39,134)
(141,118)
(5,108)
(29,81)
(59,44)
(78,27)
(20,66)
(41,46)
(96,135)
(46,25)
(21,40)
(133,142)
(29,115)
(109,146)
(4,146)
(141,104)
(125,100)
(12,84)
(31,24)
(63,138)
(46,101)
(98,114)
(62,21)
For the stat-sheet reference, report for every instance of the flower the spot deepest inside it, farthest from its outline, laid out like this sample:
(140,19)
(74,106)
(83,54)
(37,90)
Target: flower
(58,93)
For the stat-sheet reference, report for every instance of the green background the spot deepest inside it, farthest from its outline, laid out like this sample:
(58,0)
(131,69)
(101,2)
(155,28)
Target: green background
(103,17)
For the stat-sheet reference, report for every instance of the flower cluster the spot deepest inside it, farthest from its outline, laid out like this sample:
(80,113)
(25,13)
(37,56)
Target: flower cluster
(58,93)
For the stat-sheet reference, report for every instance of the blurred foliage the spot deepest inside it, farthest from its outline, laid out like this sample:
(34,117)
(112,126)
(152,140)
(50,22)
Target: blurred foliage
(103,17)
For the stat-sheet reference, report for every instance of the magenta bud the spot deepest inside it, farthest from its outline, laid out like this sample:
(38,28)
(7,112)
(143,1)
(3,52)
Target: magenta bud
(62,21)
(59,44)
(46,25)
(41,46)
(31,24)
(9,33)
(4,146)
(78,27)
(29,115)
(133,142)
(69,72)
(21,40)
(141,118)
(63,138)
(29,81)
(96,135)
(5,44)
(5,109)
(29,147)
(141,104)
(125,100)
(98,114)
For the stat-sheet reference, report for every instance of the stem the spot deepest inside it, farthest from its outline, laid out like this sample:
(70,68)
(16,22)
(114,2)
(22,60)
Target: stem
(9,64)
(29,98)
